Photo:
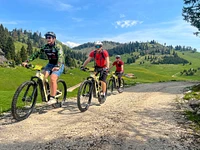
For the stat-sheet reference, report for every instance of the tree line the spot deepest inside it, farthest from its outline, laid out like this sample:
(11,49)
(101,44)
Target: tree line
(167,54)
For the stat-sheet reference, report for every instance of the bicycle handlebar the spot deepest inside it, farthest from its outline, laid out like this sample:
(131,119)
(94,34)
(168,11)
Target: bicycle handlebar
(84,68)
(35,67)
(29,66)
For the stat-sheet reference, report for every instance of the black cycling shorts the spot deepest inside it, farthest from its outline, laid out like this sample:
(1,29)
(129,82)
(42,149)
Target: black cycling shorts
(119,74)
(102,73)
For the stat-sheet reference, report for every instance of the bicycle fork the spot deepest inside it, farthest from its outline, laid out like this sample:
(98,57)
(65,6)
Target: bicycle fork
(44,89)
(96,88)
(29,99)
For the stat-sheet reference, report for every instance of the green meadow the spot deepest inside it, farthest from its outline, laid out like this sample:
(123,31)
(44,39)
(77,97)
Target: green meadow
(11,78)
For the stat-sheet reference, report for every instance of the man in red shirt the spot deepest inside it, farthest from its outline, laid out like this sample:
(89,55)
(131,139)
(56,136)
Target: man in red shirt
(119,68)
(101,59)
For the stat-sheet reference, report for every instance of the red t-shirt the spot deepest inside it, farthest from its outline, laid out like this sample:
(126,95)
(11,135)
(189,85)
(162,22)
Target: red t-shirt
(118,65)
(99,59)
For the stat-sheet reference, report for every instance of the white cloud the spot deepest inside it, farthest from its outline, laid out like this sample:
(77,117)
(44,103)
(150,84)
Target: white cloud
(77,19)
(8,22)
(64,6)
(122,16)
(174,33)
(126,23)
(71,44)
(56,5)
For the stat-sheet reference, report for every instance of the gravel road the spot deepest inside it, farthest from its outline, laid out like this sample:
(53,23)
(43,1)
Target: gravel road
(143,117)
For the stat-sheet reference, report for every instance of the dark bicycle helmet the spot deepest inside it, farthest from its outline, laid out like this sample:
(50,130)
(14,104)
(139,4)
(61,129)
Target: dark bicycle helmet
(50,34)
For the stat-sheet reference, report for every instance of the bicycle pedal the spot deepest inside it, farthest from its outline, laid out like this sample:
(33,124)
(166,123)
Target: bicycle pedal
(58,95)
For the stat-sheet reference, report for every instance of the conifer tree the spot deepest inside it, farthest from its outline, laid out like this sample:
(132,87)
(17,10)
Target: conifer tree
(18,59)
(23,54)
(3,38)
(29,48)
(10,49)
(191,13)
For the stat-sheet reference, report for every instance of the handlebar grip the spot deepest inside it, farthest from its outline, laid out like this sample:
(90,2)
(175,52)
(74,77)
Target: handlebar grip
(84,68)
(29,66)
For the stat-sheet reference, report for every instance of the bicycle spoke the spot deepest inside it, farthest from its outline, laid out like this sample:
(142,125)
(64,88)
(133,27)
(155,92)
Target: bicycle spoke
(84,96)
(61,93)
(24,100)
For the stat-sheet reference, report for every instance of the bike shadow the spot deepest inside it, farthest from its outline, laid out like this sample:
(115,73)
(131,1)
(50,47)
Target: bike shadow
(70,106)
(112,93)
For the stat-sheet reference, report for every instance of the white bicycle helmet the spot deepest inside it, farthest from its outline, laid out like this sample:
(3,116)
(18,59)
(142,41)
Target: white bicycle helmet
(98,43)
(117,56)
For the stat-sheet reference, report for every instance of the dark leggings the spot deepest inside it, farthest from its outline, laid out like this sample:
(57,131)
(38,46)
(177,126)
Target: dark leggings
(119,75)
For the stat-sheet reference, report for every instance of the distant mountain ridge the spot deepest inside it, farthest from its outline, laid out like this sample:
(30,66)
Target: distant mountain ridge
(152,51)
(71,44)
(132,46)
(87,47)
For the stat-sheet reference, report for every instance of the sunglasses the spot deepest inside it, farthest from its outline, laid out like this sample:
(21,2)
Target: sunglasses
(48,37)
(97,46)
(117,57)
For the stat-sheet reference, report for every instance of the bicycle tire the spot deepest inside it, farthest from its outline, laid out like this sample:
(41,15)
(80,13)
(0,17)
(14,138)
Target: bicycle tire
(110,86)
(19,108)
(84,92)
(62,90)
(47,89)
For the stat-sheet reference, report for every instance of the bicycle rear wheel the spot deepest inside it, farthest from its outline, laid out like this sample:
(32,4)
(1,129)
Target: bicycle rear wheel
(24,100)
(61,93)
(84,95)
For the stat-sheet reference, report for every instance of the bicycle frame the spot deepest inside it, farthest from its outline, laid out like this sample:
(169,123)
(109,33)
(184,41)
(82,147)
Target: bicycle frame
(96,84)
(114,78)
(41,81)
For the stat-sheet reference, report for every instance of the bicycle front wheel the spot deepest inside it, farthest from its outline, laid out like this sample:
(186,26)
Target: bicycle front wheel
(84,95)
(61,93)
(24,100)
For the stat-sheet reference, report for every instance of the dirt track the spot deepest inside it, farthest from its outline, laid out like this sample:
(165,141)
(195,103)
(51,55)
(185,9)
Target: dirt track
(143,117)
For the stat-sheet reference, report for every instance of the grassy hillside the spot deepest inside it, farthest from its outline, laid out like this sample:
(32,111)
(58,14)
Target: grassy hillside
(18,46)
(163,72)
(145,73)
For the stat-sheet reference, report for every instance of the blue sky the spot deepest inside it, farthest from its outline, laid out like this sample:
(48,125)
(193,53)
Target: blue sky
(81,21)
